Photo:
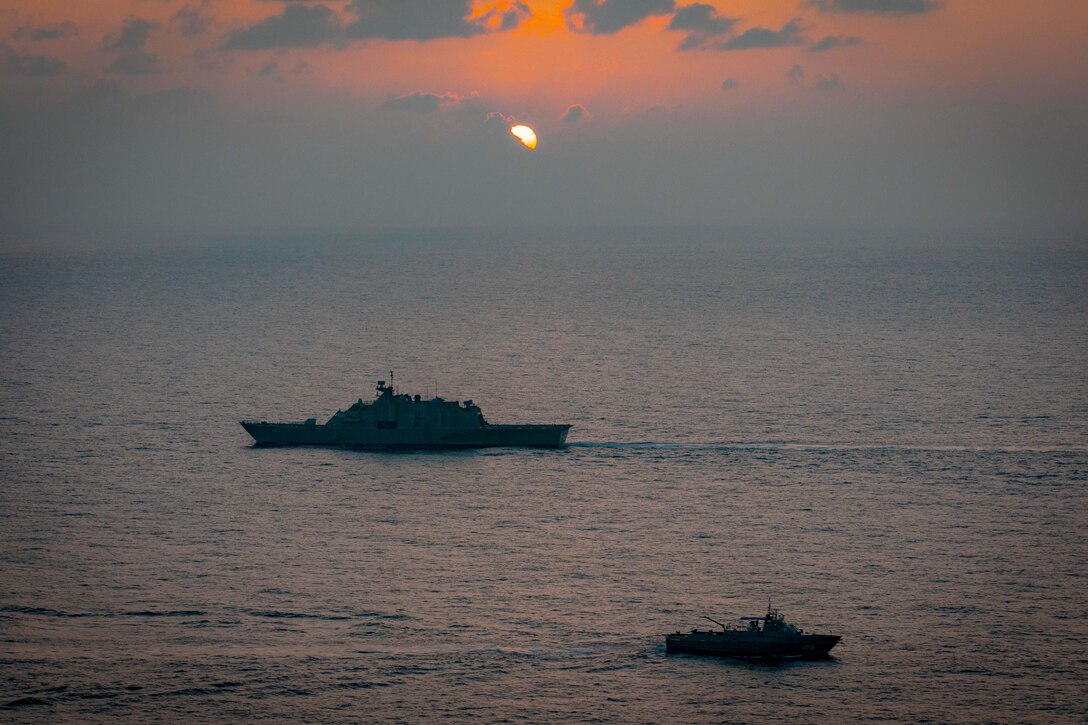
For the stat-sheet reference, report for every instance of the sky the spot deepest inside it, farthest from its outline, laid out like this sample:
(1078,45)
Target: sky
(167,118)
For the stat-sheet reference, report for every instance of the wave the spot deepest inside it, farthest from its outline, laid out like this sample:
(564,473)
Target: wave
(298,615)
(49,612)
(42,611)
(23,702)
(268,614)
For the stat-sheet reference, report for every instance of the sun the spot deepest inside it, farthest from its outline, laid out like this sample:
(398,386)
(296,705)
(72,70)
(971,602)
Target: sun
(526,135)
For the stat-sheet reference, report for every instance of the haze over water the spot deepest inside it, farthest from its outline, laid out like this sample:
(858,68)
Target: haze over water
(885,434)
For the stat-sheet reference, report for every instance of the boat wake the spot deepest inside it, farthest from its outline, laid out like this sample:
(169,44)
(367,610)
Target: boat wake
(797,446)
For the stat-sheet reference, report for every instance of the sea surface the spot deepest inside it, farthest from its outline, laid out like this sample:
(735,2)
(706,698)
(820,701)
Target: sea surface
(885,435)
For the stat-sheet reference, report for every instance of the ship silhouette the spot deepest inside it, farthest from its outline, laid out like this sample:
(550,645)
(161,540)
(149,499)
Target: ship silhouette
(767,637)
(395,420)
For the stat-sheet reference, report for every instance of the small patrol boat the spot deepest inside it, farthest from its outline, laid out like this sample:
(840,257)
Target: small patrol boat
(767,637)
(395,420)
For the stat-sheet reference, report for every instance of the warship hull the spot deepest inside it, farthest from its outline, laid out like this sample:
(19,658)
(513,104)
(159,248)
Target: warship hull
(359,436)
(753,645)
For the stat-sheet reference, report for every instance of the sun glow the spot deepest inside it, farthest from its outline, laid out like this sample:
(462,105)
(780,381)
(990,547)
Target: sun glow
(526,135)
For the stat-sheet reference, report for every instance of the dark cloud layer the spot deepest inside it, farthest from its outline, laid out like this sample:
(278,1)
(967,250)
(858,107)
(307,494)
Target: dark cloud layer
(701,18)
(834,41)
(414,19)
(298,26)
(497,123)
(132,36)
(883,7)
(702,23)
(788,34)
(173,165)
(304,25)
(612,16)
(418,102)
(56,31)
(13,63)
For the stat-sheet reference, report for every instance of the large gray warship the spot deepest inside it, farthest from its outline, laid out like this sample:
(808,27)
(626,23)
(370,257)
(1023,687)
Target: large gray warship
(403,421)
(775,639)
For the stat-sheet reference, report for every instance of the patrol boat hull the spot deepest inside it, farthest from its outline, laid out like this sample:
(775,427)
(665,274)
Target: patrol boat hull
(349,435)
(743,644)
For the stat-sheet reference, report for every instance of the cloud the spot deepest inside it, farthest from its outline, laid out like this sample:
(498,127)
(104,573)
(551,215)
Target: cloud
(415,19)
(299,26)
(730,83)
(135,63)
(471,104)
(881,7)
(702,23)
(834,41)
(502,20)
(788,34)
(796,74)
(575,113)
(190,21)
(27,64)
(303,168)
(419,102)
(701,18)
(605,17)
(495,121)
(132,36)
(513,17)
(129,44)
(56,31)
(660,110)
(271,69)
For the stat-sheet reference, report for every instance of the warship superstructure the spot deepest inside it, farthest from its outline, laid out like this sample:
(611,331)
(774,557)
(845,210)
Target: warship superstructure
(767,637)
(395,420)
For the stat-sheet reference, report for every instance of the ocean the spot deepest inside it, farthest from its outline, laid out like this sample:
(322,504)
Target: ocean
(885,435)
